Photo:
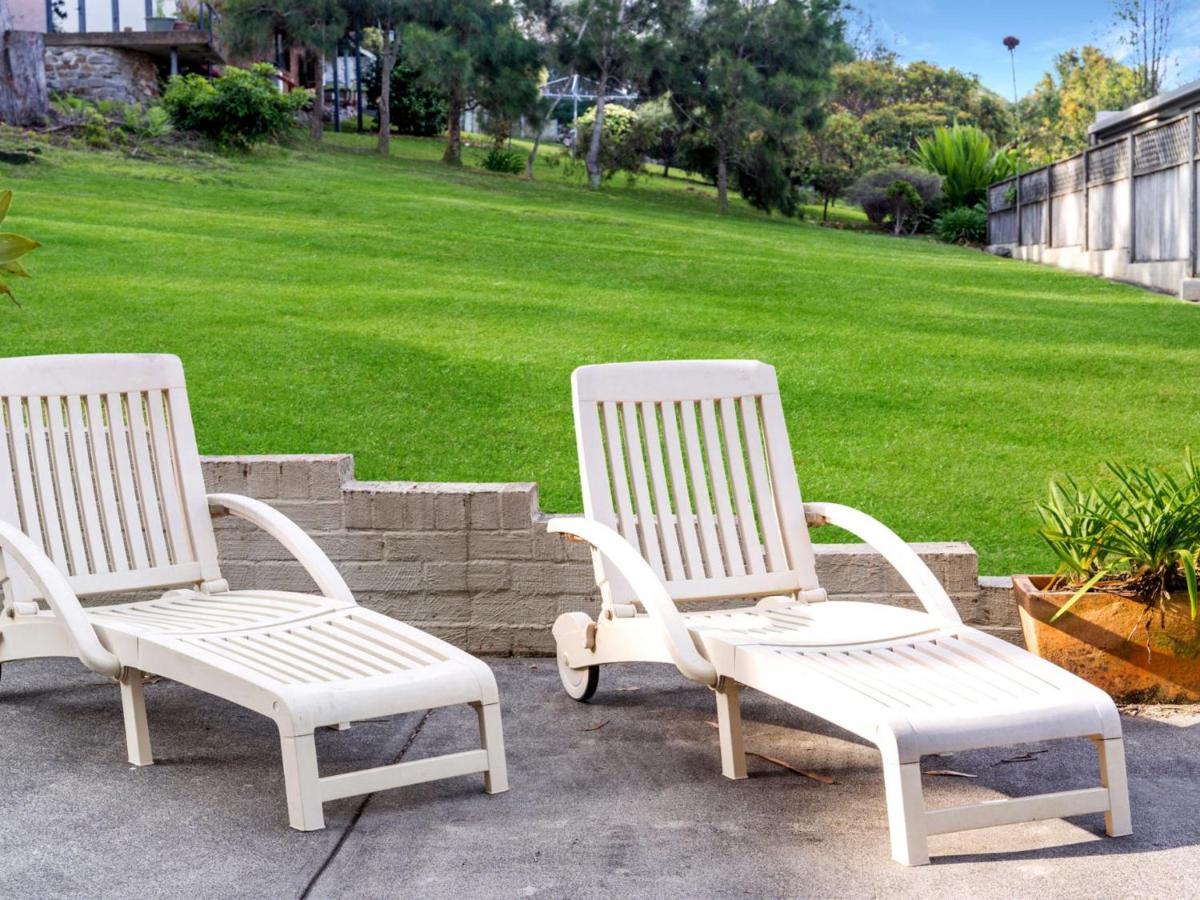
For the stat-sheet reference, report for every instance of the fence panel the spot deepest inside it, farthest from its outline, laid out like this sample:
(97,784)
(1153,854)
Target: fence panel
(1108,215)
(1002,227)
(1160,216)
(1066,220)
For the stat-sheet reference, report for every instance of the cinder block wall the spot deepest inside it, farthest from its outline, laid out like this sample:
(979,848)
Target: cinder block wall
(473,563)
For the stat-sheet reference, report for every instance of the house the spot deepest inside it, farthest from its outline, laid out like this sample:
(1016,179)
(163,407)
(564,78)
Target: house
(120,49)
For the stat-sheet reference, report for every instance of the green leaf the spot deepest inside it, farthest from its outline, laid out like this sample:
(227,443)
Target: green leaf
(1087,586)
(5,201)
(13,246)
(1189,572)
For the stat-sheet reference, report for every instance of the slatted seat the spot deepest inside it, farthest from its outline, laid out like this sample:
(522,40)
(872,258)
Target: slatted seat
(101,491)
(690,494)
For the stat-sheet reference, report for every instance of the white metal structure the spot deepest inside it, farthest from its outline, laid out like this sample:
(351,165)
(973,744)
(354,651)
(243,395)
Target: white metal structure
(101,491)
(690,494)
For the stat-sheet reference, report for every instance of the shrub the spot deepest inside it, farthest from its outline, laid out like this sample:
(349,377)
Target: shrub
(964,157)
(624,140)
(872,189)
(241,108)
(962,225)
(508,162)
(1139,535)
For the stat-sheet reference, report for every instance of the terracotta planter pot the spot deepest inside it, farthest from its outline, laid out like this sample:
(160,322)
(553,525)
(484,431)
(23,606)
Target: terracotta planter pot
(1104,639)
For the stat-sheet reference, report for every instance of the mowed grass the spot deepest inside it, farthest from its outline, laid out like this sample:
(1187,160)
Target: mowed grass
(427,320)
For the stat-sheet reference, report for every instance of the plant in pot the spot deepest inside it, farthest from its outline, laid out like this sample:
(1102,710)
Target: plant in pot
(160,21)
(1121,609)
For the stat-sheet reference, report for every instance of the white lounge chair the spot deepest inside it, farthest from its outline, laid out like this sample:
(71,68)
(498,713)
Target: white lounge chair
(101,491)
(690,494)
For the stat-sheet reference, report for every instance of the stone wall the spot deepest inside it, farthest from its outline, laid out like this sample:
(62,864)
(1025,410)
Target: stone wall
(101,73)
(473,563)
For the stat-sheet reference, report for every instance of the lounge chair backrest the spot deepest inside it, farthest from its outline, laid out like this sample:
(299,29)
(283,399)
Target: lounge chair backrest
(690,462)
(99,466)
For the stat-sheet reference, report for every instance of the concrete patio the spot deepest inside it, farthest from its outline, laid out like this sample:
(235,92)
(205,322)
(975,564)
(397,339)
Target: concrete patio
(619,797)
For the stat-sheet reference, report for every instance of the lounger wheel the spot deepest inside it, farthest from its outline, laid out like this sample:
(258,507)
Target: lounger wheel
(579,684)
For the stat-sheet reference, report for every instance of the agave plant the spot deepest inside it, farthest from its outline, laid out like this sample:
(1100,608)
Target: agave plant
(1138,535)
(964,157)
(12,248)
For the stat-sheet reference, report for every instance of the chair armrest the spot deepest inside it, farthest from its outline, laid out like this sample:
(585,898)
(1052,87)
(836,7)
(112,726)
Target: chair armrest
(900,555)
(291,536)
(53,586)
(649,590)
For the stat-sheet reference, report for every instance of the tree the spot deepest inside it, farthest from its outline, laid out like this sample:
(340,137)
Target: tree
(1147,34)
(1063,104)
(616,42)
(665,129)
(753,74)
(414,107)
(834,155)
(469,50)
(23,96)
(388,17)
(897,104)
(251,25)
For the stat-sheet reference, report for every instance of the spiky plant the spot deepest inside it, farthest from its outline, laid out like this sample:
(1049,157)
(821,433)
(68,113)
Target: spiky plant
(1137,535)
(965,158)
(12,248)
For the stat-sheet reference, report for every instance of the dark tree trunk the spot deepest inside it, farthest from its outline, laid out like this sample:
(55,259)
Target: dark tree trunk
(532,157)
(317,119)
(825,211)
(722,183)
(595,173)
(23,96)
(453,154)
(385,101)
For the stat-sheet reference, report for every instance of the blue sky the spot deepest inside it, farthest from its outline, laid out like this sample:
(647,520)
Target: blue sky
(967,35)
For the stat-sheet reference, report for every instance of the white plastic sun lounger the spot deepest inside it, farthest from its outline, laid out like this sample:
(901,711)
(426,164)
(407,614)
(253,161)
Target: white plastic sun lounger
(690,494)
(101,491)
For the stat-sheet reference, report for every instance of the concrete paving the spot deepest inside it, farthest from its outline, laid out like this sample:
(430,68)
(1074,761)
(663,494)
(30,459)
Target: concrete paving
(619,797)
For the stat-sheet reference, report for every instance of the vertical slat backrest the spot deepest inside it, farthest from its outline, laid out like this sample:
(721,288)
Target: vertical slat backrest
(690,462)
(99,466)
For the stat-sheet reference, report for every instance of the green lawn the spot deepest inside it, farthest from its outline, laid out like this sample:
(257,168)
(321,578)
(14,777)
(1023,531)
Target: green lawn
(428,320)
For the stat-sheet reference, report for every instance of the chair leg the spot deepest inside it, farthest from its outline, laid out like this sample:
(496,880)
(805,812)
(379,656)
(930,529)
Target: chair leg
(302,782)
(491,737)
(906,811)
(729,722)
(1118,820)
(133,709)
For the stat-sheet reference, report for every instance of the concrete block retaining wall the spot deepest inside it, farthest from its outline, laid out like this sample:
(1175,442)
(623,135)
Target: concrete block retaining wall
(473,563)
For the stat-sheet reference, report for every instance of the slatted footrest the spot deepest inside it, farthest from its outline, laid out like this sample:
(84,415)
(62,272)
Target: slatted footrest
(1010,811)
(366,781)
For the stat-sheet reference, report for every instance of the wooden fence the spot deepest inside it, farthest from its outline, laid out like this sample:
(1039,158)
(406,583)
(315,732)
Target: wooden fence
(1136,194)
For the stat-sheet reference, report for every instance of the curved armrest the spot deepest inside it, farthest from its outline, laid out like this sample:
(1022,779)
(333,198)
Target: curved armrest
(900,555)
(649,589)
(53,586)
(292,537)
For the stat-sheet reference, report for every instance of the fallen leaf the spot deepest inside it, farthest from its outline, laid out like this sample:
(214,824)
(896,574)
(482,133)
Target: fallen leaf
(597,727)
(626,690)
(815,776)
(951,773)
(1023,757)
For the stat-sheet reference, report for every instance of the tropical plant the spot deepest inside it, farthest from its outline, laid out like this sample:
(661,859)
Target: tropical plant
(871,191)
(241,108)
(12,248)
(508,162)
(962,225)
(1138,535)
(963,155)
